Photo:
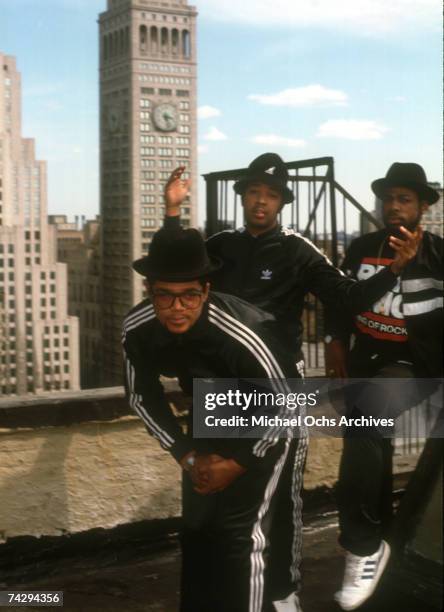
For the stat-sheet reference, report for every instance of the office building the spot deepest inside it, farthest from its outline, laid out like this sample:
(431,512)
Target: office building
(78,245)
(40,340)
(147,128)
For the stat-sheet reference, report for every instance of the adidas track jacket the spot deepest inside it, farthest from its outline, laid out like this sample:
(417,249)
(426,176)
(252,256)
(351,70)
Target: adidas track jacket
(232,339)
(276,270)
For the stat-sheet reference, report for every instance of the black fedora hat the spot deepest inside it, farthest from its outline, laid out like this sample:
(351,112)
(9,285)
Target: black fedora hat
(408,175)
(177,255)
(270,169)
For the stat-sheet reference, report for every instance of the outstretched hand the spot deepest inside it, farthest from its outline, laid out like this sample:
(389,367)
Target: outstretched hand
(176,190)
(405,248)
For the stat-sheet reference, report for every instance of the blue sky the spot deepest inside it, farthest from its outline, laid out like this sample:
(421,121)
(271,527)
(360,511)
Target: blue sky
(359,80)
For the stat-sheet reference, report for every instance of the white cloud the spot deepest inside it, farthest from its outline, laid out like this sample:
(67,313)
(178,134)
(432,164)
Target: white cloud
(202,148)
(363,16)
(206,112)
(352,129)
(278,141)
(215,134)
(309,95)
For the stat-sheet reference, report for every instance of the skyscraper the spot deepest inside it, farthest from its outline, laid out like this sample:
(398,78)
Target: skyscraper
(40,341)
(78,246)
(147,128)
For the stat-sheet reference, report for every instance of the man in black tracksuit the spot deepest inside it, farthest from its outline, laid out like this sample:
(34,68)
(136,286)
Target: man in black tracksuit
(274,268)
(185,331)
(399,336)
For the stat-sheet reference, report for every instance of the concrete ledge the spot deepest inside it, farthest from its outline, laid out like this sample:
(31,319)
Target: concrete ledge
(72,463)
(68,408)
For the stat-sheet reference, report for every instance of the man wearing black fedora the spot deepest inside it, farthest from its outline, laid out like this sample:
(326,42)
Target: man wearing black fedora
(186,331)
(274,268)
(399,336)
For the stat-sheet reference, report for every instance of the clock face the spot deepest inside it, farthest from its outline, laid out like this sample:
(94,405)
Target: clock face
(165,117)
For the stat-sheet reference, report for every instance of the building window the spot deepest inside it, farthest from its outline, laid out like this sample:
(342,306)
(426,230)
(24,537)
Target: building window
(186,44)
(175,40)
(143,38)
(148,151)
(147,139)
(165,163)
(182,152)
(164,39)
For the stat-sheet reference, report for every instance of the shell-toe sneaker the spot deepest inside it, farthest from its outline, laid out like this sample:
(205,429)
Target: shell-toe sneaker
(361,577)
(289,604)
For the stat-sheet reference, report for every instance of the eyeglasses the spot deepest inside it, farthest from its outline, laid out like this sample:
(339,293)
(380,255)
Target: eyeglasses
(188,299)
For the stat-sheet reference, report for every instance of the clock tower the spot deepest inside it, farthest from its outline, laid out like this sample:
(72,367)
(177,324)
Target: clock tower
(148,127)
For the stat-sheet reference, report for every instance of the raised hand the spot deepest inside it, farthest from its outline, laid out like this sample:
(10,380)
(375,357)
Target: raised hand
(405,248)
(176,190)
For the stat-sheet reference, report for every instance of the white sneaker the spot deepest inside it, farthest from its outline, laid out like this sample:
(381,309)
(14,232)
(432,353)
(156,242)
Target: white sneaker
(361,577)
(289,604)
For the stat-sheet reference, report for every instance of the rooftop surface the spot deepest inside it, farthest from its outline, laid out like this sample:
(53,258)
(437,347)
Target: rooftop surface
(145,578)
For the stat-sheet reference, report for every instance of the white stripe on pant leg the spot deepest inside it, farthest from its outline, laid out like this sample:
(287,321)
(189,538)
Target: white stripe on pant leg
(259,540)
(296,551)
(257,561)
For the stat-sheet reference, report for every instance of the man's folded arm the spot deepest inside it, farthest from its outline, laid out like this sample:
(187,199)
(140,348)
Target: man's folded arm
(147,398)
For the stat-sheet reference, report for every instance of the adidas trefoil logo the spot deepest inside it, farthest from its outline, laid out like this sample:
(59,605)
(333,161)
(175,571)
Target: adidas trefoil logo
(266,275)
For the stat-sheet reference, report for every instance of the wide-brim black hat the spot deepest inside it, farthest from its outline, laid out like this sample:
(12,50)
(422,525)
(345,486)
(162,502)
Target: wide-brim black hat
(177,255)
(270,169)
(407,175)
